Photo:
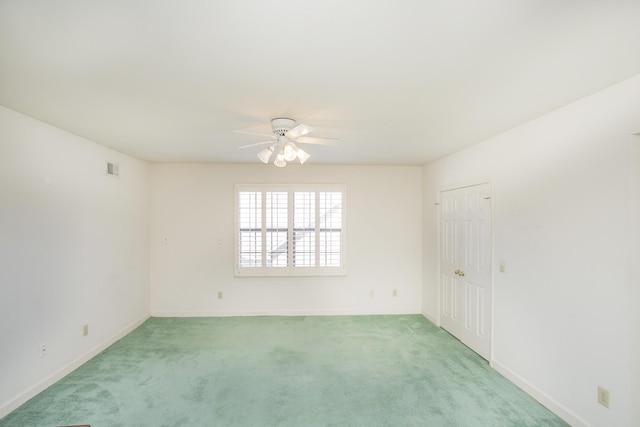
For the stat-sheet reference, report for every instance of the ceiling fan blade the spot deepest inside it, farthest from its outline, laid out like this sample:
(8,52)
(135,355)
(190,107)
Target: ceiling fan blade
(298,131)
(317,140)
(257,143)
(253,133)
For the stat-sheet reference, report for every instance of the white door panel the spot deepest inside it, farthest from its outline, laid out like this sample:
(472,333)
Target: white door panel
(465,266)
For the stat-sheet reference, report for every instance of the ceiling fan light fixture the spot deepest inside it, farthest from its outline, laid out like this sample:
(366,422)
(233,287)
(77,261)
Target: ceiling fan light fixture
(303,156)
(284,143)
(280,161)
(290,151)
(265,154)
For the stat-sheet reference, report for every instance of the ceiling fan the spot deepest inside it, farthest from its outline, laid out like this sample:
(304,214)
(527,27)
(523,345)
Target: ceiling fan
(286,135)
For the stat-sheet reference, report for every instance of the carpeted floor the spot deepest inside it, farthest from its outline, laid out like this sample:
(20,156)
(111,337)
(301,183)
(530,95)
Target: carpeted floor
(285,371)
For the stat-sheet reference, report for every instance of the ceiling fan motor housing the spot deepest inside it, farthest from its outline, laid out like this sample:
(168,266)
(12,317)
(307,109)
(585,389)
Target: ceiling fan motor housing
(282,125)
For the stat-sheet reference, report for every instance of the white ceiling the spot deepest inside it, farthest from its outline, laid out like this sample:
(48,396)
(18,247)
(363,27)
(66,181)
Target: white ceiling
(399,82)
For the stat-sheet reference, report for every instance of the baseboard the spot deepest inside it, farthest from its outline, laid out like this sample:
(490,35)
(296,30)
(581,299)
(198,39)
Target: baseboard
(431,318)
(16,402)
(248,313)
(555,407)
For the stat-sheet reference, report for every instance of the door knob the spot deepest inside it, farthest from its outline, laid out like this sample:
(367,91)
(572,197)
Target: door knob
(459,273)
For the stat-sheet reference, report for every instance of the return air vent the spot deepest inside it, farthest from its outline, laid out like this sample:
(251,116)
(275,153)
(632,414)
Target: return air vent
(113,169)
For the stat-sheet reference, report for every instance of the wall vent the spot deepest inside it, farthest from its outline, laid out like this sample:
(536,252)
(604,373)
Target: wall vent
(113,169)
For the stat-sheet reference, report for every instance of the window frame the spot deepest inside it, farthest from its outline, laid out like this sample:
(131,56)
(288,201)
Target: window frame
(290,269)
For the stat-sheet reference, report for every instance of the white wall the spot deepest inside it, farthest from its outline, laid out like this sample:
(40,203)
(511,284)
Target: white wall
(562,224)
(192,207)
(634,277)
(73,251)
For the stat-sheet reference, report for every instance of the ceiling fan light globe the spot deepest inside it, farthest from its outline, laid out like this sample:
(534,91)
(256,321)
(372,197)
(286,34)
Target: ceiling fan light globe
(280,161)
(303,156)
(265,154)
(289,152)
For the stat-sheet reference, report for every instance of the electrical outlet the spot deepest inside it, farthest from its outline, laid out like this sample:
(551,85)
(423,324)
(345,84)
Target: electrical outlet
(85,330)
(220,295)
(503,266)
(43,349)
(371,294)
(394,293)
(603,397)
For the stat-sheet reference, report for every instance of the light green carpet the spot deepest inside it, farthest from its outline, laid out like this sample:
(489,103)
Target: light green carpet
(285,371)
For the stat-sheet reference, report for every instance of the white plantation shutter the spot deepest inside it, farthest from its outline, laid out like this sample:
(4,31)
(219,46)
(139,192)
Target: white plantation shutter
(290,230)
(330,229)
(277,229)
(250,229)
(304,229)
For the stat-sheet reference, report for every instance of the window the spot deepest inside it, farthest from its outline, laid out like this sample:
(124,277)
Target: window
(290,230)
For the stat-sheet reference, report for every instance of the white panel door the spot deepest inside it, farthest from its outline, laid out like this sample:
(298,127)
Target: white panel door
(465,266)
